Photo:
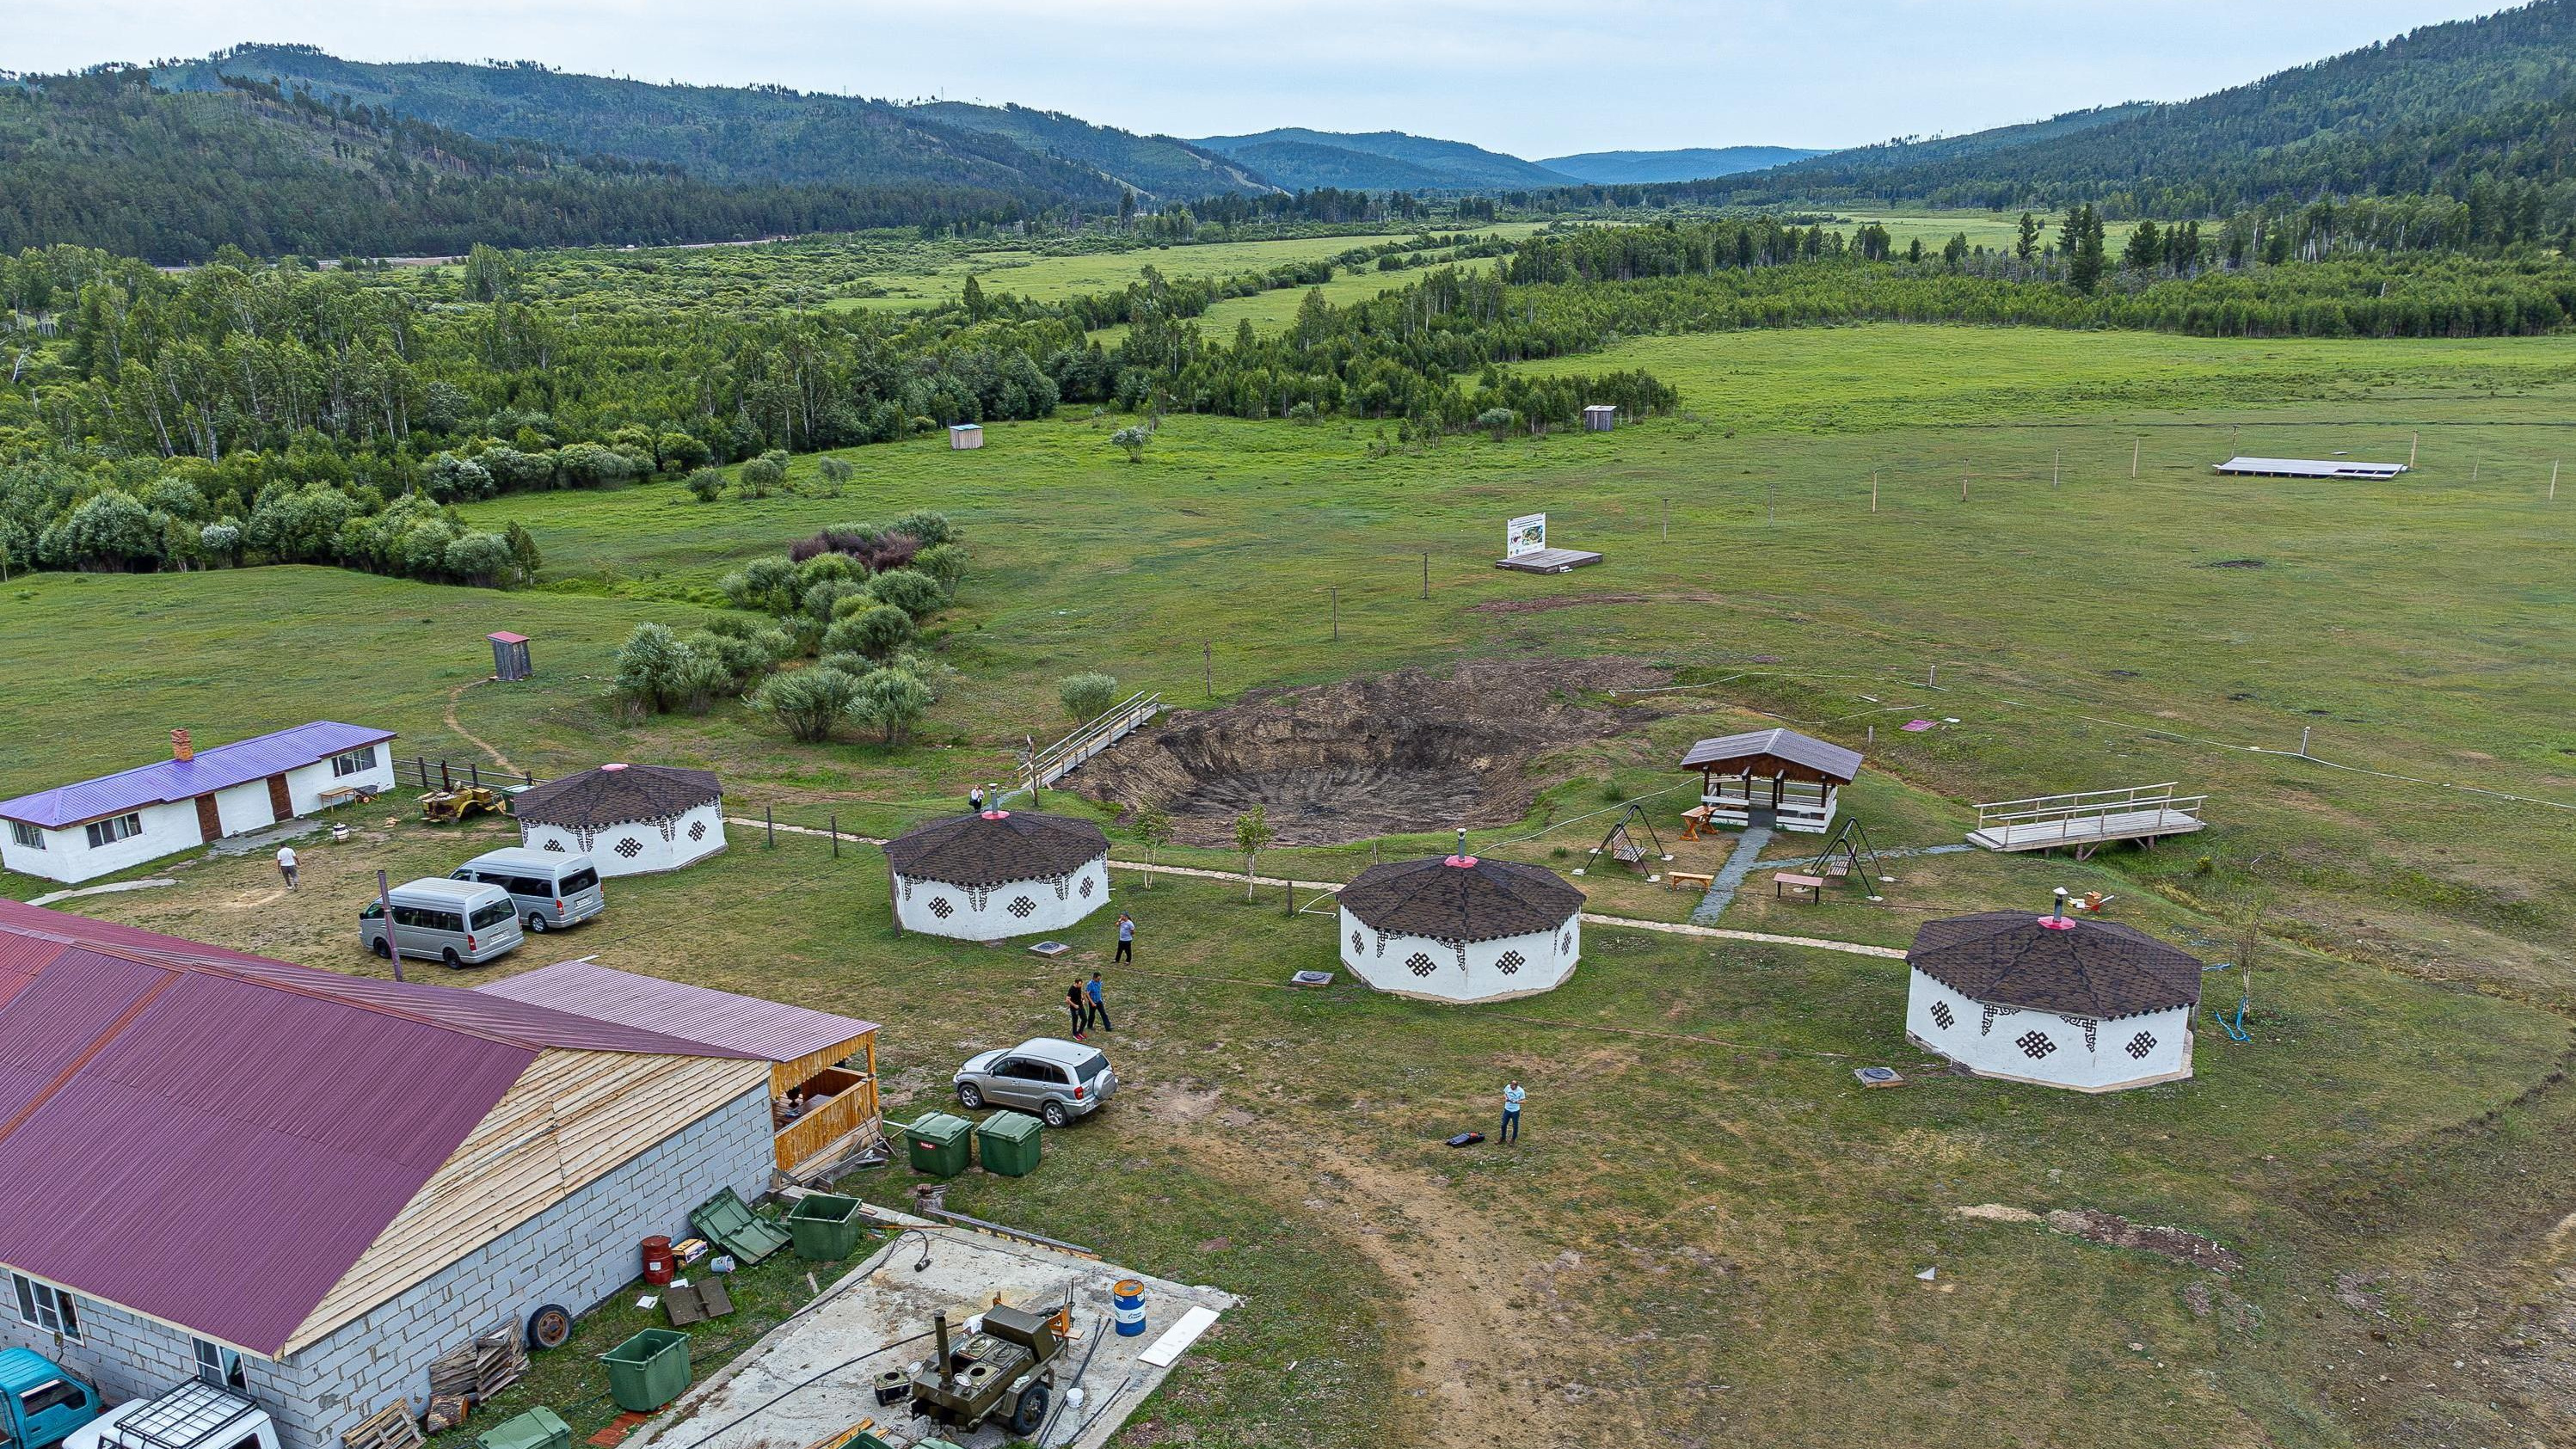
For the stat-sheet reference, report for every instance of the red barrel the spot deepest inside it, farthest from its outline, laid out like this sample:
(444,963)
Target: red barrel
(660,1263)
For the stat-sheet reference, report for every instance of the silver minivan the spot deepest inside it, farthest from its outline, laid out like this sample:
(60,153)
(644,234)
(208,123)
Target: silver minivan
(551,891)
(459,922)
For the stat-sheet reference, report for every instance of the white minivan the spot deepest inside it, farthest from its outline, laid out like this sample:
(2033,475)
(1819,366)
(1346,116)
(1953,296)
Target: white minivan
(459,922)
(551,891)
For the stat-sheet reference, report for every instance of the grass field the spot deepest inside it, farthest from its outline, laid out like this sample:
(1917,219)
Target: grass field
(1706,1200)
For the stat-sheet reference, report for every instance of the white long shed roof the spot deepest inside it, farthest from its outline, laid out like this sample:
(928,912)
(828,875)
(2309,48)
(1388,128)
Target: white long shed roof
(2309,468)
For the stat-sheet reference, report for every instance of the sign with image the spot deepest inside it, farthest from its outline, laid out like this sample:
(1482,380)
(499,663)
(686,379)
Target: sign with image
(1525,535)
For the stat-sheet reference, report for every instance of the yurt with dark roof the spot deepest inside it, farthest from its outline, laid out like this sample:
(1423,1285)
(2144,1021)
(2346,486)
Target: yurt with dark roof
(1458,928)
(629,819)
(996,874)
(2053,1000)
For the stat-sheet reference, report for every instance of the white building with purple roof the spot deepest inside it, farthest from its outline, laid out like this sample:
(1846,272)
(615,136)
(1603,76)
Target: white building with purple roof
(97,827)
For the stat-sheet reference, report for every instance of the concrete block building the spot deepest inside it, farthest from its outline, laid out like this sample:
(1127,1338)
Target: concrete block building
(311,1185)
(98,827)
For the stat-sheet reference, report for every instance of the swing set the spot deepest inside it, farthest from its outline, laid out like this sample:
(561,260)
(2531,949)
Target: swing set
(1622,847)
(1849,855)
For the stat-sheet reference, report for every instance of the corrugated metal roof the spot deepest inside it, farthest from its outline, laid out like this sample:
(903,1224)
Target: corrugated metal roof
(774,1030)
(2310,468)
(164,781)
(212,1139)
(1815,754)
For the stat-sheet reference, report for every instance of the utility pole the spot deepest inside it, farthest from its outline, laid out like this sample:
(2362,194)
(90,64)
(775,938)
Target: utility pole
(2056,466)
(1426,576)
(1873,490)
(1207,662)
(2136,452)
(2414,442)
(385,903)
(1337,613)
(2553,482)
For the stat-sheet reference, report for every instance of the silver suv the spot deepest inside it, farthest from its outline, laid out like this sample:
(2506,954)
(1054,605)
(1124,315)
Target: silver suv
(1057,1079)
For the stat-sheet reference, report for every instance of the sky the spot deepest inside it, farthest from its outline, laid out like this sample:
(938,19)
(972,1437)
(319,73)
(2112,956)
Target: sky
(1535,78)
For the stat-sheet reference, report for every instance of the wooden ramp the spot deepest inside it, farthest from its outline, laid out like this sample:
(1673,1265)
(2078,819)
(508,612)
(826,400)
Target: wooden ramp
(1550,561)
(1068,754)
(2086,821)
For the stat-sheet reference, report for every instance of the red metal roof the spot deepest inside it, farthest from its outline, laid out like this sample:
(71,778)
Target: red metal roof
(212,1139)
(774,1030)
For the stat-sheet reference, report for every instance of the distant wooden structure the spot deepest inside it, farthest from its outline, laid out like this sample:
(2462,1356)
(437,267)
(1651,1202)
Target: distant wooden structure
(2086,821)
(828,1061)
(1600,418)
(1550,561)
(1775,777)
(510,656)
(2311,468)
(962,436)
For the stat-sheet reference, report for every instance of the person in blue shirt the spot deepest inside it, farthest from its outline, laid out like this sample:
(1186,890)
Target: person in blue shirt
(1126,938)
(1513,1096)
(1099,1008)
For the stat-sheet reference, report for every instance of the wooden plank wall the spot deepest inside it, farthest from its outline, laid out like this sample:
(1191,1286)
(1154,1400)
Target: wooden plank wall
(571,1118)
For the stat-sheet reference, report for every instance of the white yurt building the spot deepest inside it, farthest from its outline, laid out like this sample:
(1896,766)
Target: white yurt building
(999,873)
(2053,1000)
(629,819)
(1456,928)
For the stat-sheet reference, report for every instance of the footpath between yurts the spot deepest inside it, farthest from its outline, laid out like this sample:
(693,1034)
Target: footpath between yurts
(799,1384)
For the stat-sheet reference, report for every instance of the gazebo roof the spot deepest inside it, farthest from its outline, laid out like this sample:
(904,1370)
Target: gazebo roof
(2069,965)
(610,795)
(1461,898)
(1775,747)
(996,848)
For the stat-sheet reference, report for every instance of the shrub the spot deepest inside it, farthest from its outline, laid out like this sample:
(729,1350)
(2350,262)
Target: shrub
(876,632)
(805,702)
(768,585)
(945,562)
(910,590)
(653,668)
(926,528)
(677,452)
(823,598)
(706,484)
(450,478)
(1087,696)
(835,474)
(891,701)
(480,558)
(1133,438)
(764,475)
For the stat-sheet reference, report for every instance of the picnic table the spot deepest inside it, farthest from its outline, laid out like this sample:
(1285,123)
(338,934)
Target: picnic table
(1787,881)
(1695,820)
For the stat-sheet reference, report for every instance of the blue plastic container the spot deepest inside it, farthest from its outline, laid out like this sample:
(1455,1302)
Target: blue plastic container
(1127,1306)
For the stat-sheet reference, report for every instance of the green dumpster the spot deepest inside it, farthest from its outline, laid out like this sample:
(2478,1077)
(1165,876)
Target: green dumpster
(940,1144)
(826,1227)
(539,1428)
(649,1370)
(1008,1143)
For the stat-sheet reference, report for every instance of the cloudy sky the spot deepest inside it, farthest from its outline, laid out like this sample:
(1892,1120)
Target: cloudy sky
(1534,77)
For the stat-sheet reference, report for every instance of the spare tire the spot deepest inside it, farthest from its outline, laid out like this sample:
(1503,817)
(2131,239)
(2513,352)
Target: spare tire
(550,1327)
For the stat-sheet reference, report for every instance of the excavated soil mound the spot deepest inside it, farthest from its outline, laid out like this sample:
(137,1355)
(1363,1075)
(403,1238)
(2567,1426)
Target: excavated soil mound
(1391,754)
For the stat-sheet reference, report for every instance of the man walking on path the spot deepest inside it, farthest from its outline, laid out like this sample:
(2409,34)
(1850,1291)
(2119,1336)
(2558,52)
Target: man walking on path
(1512,1099)
(1099,1008)
(1073,1005)
(286,864)
(1126,939)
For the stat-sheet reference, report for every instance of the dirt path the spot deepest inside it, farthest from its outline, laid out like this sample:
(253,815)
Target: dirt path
(1475,1371)
(453,697)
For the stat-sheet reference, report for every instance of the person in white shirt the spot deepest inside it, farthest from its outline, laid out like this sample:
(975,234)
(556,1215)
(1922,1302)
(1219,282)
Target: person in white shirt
(1513,1096)
(286,864)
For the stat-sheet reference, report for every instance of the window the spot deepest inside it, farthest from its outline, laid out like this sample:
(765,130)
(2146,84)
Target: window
(54,1394)
(108,832)
(26,835)
(425,919)
(219,1365)
(494,914)
(579,881)
(357,761)
(41,1305)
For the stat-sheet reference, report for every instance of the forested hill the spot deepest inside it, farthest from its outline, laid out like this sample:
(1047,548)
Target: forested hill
(716,133)
(104,159)
(1379,160)
(1159,167)
(2363,119)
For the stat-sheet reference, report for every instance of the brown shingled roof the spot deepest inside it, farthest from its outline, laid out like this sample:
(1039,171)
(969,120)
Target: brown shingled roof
(996,848)
(1479,900)
(2090,968)
(617,795)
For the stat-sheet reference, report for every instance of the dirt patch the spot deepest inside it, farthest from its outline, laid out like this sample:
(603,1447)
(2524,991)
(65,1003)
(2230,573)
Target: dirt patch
(2190,1249)
(1392,753)
(1995,1212)
(2236,563)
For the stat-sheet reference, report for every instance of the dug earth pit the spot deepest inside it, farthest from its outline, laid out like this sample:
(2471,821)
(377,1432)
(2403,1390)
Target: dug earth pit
(1384,755)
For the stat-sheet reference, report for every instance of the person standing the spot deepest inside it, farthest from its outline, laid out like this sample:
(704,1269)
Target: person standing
(975,800)
(1074,1007)
(286,864)
(1126,939)
(1513,1096)
(1099,1008)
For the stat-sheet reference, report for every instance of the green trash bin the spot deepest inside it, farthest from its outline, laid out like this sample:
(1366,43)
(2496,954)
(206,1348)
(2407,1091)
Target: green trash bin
(539,1428)
(940,1144)
(649,1370)
(1008,1143)
(826,1227)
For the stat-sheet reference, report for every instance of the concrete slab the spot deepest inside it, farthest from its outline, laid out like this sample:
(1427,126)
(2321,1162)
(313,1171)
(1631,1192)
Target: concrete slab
(862,1324)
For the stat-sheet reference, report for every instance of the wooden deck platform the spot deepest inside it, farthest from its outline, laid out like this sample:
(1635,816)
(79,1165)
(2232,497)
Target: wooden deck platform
(1550,561)
(2085,822)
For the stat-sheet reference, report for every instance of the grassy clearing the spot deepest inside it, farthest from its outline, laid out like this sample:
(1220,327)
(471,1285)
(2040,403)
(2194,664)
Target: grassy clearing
(1737,1213)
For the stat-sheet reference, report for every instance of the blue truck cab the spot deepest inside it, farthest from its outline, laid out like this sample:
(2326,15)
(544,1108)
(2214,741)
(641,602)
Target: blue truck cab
(40,1404)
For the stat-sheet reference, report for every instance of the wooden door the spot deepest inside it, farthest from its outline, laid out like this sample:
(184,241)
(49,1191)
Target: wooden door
(278,804)
(210,823)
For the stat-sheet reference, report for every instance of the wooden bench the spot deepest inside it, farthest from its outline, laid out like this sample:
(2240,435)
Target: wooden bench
(1787,881)
(1679,879)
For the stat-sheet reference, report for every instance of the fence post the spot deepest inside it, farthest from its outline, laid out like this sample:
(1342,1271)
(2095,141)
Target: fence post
(446,781)
(474,776)
(836,834)
(769,825)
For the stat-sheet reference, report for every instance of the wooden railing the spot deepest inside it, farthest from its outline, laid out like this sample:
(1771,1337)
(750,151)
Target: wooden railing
(851,1105)
(2086,813)
(1066,755)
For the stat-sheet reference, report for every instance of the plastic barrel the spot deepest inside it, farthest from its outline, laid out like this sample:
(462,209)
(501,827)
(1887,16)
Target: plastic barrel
(1127,1306)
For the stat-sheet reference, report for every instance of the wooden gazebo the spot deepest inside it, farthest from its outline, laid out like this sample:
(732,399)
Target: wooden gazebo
(1772,777)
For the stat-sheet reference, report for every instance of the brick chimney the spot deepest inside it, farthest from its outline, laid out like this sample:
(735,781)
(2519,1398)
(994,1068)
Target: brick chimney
(180,749)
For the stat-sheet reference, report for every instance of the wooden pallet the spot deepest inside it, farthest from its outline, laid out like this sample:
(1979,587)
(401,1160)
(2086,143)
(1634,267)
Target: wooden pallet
(480,1367)
(390,1427)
